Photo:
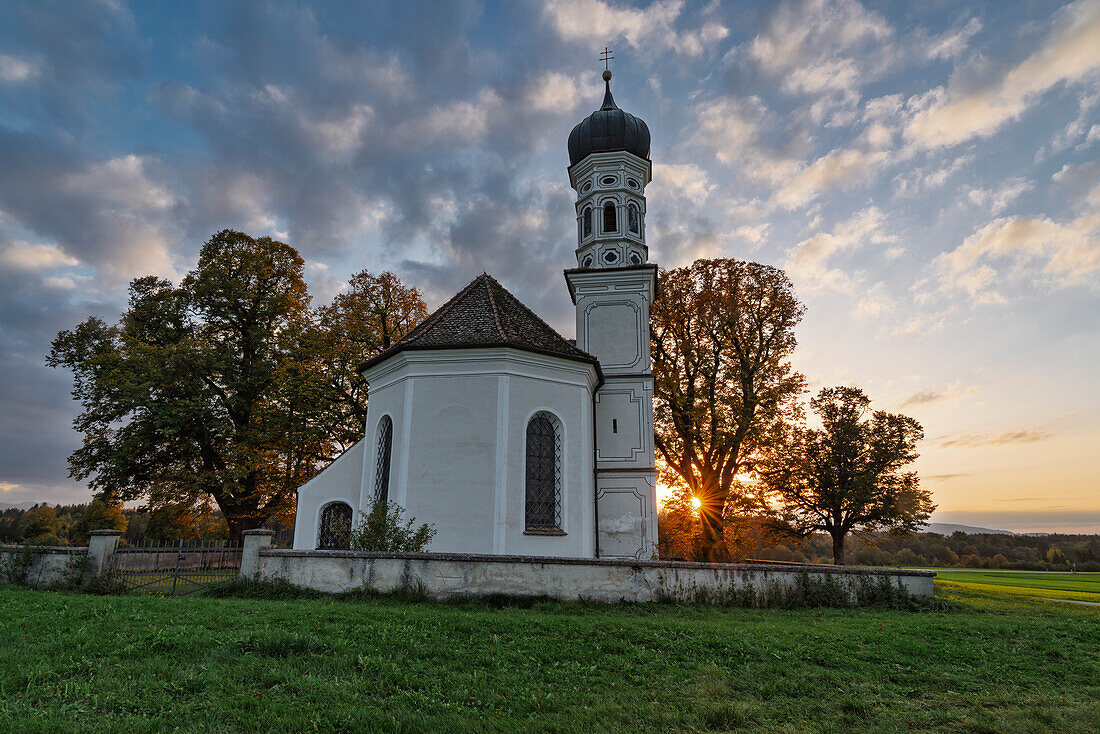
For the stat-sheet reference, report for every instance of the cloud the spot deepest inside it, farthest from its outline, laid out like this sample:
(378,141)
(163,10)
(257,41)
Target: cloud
(999,198)
(684,180)
(937,393)
(733,130)
(952,43)
(1067,253)
(30,256)
(14,70)
(919,180)
(593,22)
(837,168)
(925,323)
(808,261)
(819,49)
(961,111)
(975,440)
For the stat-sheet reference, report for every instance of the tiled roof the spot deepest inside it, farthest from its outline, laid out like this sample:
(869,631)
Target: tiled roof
(484,314)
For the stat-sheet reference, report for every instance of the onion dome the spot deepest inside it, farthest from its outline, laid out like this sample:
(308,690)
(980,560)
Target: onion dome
(608,129)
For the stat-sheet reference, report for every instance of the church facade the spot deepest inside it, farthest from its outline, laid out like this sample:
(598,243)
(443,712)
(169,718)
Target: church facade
(506,436)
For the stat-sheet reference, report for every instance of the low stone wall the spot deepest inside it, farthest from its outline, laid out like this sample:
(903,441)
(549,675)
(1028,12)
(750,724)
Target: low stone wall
(447,575)
(45,566)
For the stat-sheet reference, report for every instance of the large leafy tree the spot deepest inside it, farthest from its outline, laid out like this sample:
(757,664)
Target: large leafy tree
(362,321)
(849,475)
(722,336)
(219,388)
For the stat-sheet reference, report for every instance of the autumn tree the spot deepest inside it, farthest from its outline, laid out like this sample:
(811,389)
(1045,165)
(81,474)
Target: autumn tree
(722,337)
(849,475)
(102,513)
(216,389)
(41,525)
(361,322)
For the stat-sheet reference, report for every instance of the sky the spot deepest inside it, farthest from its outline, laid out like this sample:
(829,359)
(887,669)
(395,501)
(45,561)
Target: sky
(927,174)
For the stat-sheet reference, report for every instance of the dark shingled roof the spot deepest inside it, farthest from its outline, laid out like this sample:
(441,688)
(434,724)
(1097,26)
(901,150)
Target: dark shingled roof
(485,314)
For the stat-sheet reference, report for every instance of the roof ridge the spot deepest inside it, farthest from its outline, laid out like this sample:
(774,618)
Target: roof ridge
(436,316)
(493,303)
(535,316)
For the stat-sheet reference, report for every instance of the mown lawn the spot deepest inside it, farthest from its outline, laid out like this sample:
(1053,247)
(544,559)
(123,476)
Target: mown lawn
(71,662)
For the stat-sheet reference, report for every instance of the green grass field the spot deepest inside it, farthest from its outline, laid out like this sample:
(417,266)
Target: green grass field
(988,663)
(1073,586)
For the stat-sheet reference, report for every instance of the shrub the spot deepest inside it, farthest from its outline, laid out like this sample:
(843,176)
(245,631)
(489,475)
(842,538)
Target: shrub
(383,530)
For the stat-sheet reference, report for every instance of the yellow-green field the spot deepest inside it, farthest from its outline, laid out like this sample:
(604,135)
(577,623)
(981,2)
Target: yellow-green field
(1066,586)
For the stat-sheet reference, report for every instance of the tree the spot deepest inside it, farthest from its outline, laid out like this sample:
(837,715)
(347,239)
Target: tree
(848,475)
(722,337)
(40,525)
(218,388)
(361,322)
(102,513)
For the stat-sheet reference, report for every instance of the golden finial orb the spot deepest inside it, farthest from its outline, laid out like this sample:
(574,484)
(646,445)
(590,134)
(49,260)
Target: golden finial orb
(607,75)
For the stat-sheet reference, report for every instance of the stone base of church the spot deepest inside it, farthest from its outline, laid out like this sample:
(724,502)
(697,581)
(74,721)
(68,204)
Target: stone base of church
(449,575)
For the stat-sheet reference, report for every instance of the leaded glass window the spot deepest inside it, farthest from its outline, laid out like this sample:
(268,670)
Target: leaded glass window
(634,220)
(382,460)
(609,221)
(543,473)
(335,530)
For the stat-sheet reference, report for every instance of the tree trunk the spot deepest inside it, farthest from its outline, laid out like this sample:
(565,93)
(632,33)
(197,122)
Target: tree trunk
(238,524)
(838,548)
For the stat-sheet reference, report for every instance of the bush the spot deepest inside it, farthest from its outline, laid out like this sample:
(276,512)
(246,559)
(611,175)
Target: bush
(383,530)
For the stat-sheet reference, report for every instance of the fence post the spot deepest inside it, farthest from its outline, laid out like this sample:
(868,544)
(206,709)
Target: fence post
(101,546)
(254,541)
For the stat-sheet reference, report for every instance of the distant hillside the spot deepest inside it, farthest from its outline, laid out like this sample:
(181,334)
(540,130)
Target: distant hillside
(946,528)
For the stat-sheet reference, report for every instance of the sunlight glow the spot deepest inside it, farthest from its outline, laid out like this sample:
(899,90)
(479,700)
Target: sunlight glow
(696,502)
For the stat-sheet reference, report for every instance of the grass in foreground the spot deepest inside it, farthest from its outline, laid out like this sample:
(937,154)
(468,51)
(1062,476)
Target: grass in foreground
(73,662)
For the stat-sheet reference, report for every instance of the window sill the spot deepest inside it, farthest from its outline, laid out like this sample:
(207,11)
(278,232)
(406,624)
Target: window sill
(551,532)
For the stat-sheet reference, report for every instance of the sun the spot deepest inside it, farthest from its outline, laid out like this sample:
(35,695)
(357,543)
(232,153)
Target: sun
(696,502)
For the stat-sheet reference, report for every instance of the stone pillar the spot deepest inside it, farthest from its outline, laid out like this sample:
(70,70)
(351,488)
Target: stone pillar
(101,546)
(254,542)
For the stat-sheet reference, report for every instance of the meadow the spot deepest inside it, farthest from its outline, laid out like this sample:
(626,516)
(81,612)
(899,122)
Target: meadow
(982,661)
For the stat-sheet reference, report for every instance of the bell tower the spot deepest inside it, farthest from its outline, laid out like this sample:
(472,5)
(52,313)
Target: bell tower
(612,287)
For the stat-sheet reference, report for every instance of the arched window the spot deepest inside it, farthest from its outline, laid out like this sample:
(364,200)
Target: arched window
(634,220)
(543,473)
(382,460)
(335,530)
(609,223)
(586,218)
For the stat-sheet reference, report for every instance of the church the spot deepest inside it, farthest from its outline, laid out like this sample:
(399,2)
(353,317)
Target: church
(503,434)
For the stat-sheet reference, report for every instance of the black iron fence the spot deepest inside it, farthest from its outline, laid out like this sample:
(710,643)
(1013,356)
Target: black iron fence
(175,569)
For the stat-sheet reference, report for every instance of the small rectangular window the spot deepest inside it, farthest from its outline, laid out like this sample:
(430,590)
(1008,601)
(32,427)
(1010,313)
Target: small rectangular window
(614,426)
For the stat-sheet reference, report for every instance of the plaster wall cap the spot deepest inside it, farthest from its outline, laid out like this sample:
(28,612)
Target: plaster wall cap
(105,532)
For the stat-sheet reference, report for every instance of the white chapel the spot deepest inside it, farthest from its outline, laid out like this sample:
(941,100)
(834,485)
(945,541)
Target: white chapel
(508,437)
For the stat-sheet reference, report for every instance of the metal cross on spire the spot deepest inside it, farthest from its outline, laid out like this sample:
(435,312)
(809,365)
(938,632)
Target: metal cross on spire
(606,57)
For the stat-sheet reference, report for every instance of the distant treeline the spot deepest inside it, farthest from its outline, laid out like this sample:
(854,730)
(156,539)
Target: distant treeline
(1057,552)
(46,524)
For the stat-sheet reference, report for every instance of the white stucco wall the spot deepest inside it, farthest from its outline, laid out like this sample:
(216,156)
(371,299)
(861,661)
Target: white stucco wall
(339,481)
(453,575)
(459,439)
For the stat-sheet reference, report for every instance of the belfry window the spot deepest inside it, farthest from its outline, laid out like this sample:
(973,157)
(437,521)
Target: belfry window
(335,530)
(634,220)
(609,220)
(382,460)
(542,488)
(586,222)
